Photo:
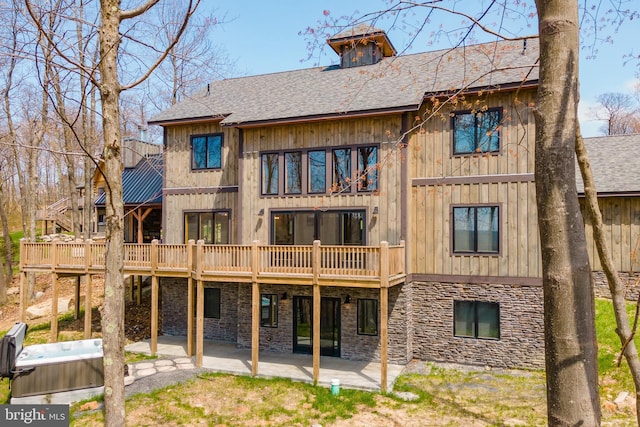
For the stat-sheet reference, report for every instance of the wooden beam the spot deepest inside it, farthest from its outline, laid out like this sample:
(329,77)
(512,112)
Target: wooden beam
(316,311)
(384,314)
(87,306)
(154,314)
(139,294)
(199,323)
(255,327)
(76,305)
(54,308)
(190,312)
(23,296)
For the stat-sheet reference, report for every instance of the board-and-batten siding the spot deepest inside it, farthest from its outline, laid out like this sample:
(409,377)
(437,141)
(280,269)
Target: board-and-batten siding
(187,190)
(511,187)
(621,219)
(386,225)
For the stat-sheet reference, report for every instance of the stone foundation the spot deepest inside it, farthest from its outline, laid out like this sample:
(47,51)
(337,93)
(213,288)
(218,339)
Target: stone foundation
(632,281)
(521,343)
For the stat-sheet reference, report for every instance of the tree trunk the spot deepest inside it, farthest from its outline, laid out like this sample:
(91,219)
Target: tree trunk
(8,249)
(570,339)
(113,310)
(617,288)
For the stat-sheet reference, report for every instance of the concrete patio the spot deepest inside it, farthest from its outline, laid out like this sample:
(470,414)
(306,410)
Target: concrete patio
(227,358)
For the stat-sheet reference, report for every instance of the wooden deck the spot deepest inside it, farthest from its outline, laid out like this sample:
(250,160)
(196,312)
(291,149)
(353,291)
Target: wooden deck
(353,266)
(378,267)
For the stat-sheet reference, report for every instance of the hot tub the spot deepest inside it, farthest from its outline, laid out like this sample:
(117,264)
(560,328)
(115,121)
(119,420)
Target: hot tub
(58,367)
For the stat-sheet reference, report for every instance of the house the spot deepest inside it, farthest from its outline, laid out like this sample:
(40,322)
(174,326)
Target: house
(431,153)
(616,172)
(142,191)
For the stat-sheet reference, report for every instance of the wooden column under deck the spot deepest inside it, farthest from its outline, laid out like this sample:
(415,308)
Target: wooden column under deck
(384,313)
(87,306)
(154,298)
(190,300)
(54,308)
(23,297)
(199,304)
(76,303)
(255,309)
(316,311)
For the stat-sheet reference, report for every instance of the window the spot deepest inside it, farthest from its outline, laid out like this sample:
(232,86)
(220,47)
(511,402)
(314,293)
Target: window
(317,169)
(320,171)
(270,173)
(476,319)
(335,227)
(367,168)
(206,151)
(476,132)
(269,310)
(212,303)
(367,317)
(212,227)
(341,169)
(293,176)
(476,229)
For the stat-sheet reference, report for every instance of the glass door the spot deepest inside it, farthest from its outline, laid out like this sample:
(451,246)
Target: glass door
(329,326)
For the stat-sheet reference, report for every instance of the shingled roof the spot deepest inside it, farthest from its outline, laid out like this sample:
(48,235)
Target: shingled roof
(615,164)
(141,185)
(398,83)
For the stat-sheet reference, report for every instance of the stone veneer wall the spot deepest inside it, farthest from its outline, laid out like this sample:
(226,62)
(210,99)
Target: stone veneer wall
(521,343)
(601,286)
(174,310)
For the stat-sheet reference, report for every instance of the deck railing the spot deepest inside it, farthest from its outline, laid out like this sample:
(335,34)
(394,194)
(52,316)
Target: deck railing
(364,262)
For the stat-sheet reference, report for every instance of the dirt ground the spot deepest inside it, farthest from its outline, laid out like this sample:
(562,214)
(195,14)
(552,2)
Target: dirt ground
(137,317)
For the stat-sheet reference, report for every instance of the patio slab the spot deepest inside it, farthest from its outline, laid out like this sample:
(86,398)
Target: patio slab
(227,358)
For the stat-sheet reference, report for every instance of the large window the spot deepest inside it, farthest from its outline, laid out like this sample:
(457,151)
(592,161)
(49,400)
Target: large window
(330,227)
(367,317)
(212,303)
(320,171)
(269,310)
(476,229)
(212,227)
(476,132)
(206,151)
(476,319)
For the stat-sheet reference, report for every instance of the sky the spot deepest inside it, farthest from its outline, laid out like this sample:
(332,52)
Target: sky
(264,37)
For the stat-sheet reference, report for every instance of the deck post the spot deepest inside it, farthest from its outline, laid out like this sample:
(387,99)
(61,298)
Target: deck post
(23,284)
(87,306)
(199,304)
(154,314)
(255,308)
(190,310)
(76,305)
(139,292)
(384,313)
(315,263)
(23,296)
(54,308)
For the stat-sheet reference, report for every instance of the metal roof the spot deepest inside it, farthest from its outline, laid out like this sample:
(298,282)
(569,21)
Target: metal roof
(398,83)
(615,164)
(142,184)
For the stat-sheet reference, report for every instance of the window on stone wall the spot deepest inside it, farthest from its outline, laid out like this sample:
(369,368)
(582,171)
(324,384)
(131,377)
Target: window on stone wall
(367,316)
(212,303)
(269,310)
(476,319)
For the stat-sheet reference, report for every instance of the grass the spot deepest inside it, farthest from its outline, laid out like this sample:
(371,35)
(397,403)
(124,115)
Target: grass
(445,396)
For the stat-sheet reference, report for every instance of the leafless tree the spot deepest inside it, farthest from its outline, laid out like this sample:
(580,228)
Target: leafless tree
(619,112)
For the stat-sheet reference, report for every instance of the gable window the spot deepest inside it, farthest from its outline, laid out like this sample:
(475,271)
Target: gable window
(212,303)
(476,229)
(270,173)
(206,151)
(293,175)
(212,227)
(367,317)
(269,310)
(476,319)
(477,131)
